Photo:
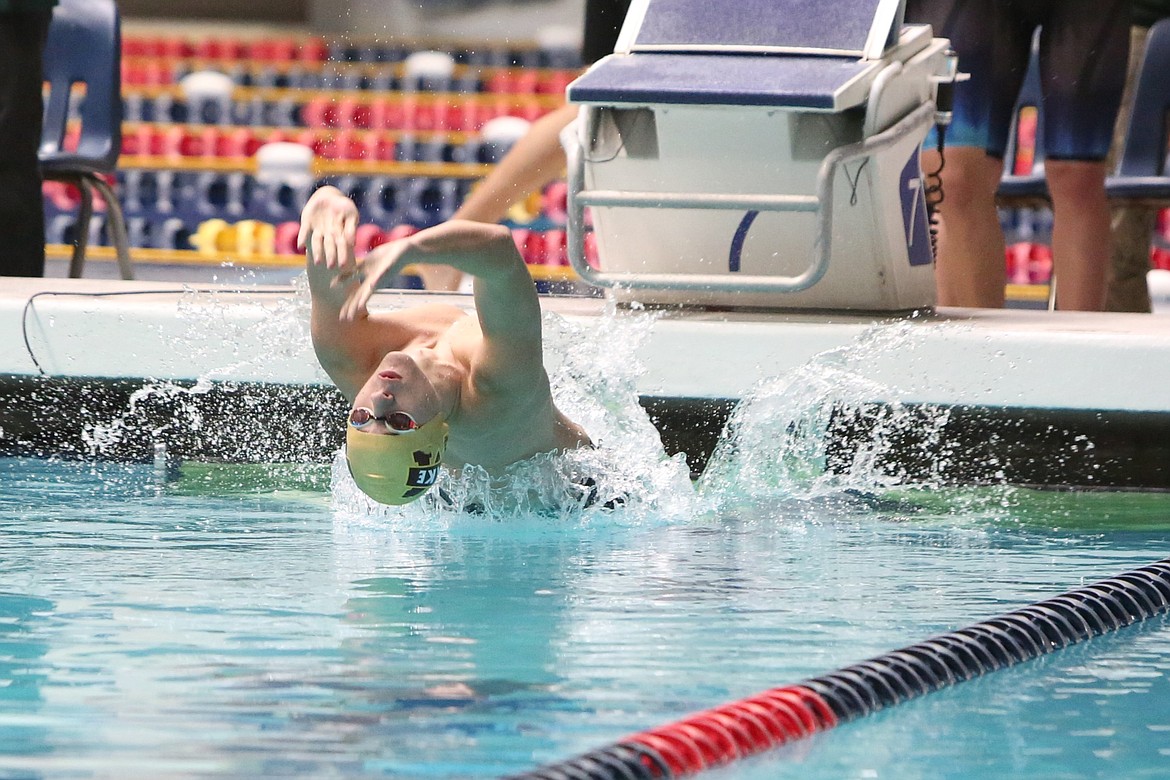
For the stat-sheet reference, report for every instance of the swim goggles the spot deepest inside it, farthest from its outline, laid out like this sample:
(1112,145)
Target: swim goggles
(397,422)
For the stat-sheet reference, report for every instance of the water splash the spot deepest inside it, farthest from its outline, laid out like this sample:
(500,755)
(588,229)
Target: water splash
(777,442)
(101,439)
(284,329)
(191,417)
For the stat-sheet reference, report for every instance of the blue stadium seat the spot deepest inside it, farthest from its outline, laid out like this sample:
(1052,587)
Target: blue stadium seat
(84,46)
(1141,174)
(1031,186)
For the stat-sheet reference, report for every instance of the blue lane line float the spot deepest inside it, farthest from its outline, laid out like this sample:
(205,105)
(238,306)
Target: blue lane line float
(742,728)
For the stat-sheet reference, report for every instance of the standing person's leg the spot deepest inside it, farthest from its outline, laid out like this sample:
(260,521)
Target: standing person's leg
(1126,288)
(1126,285)
(970,264)
(603,22)
(22,220)
(970,269)
(1084,47)
(1080,233)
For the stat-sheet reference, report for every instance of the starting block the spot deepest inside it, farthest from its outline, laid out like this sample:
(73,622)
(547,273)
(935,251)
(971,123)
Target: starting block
(760,154)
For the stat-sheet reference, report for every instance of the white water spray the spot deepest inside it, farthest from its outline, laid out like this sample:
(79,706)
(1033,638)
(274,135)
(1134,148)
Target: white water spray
(776,443)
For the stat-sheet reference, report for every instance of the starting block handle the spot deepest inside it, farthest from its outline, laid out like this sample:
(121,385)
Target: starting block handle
(821,204)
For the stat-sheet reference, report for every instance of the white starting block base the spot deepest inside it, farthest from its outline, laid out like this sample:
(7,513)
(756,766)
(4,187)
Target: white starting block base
(880,260)
(768,165)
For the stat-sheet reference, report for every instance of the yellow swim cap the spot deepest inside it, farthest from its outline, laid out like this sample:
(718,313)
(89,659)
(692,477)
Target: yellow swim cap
(396,469)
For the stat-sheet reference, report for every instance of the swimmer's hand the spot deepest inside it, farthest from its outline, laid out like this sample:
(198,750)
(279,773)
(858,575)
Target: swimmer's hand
(328,229)
(484,251)
(381,261)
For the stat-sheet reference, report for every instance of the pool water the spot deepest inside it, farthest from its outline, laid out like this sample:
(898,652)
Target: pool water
(231,621)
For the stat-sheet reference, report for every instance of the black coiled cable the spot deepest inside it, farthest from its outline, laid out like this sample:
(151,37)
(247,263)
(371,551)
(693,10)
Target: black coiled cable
(932,185)
(933,190)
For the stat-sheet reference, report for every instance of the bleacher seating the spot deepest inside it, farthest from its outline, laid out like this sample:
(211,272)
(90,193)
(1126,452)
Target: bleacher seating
(400,135)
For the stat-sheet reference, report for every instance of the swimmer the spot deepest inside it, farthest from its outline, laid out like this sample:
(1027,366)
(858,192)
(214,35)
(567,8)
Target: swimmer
(430,384)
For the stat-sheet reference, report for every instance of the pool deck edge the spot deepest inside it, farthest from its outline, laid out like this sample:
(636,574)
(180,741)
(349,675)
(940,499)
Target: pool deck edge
(993,358)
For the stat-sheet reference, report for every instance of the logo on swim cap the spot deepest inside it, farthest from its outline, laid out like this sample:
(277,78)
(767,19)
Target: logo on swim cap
(396,468)
(423,476)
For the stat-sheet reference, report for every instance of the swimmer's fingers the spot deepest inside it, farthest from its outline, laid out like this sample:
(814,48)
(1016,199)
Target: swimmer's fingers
(311,226)
(343,235)
(357,300)
(303,234)
(329,226)
(338,225)
(359,295)
(377,265)
(316,248)
(345,278)
(332,248)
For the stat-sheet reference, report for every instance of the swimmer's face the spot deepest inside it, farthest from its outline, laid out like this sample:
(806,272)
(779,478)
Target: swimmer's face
(398,385)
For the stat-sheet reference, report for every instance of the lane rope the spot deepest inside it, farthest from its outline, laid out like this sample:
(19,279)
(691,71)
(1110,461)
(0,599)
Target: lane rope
(739,729)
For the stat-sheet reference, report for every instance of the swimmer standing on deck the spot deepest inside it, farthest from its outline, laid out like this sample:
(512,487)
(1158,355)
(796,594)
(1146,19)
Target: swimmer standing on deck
(430,384)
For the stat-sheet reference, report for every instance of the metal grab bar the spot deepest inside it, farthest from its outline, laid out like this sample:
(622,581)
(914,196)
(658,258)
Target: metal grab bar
(821,203)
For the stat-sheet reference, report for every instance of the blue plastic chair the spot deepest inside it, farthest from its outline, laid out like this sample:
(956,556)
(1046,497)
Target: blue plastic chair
(84,47)
(1026,188)
(1141,176)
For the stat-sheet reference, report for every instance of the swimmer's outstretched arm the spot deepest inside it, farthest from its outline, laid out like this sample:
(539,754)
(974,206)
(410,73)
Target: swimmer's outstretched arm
(328,224)
(534,161)
(345,349)
(505,296)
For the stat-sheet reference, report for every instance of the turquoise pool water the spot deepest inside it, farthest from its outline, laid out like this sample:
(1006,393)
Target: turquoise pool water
(231,622)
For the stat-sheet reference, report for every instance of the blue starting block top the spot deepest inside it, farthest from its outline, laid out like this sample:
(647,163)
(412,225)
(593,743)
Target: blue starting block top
(804,54)
(827,83)
(793,26)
